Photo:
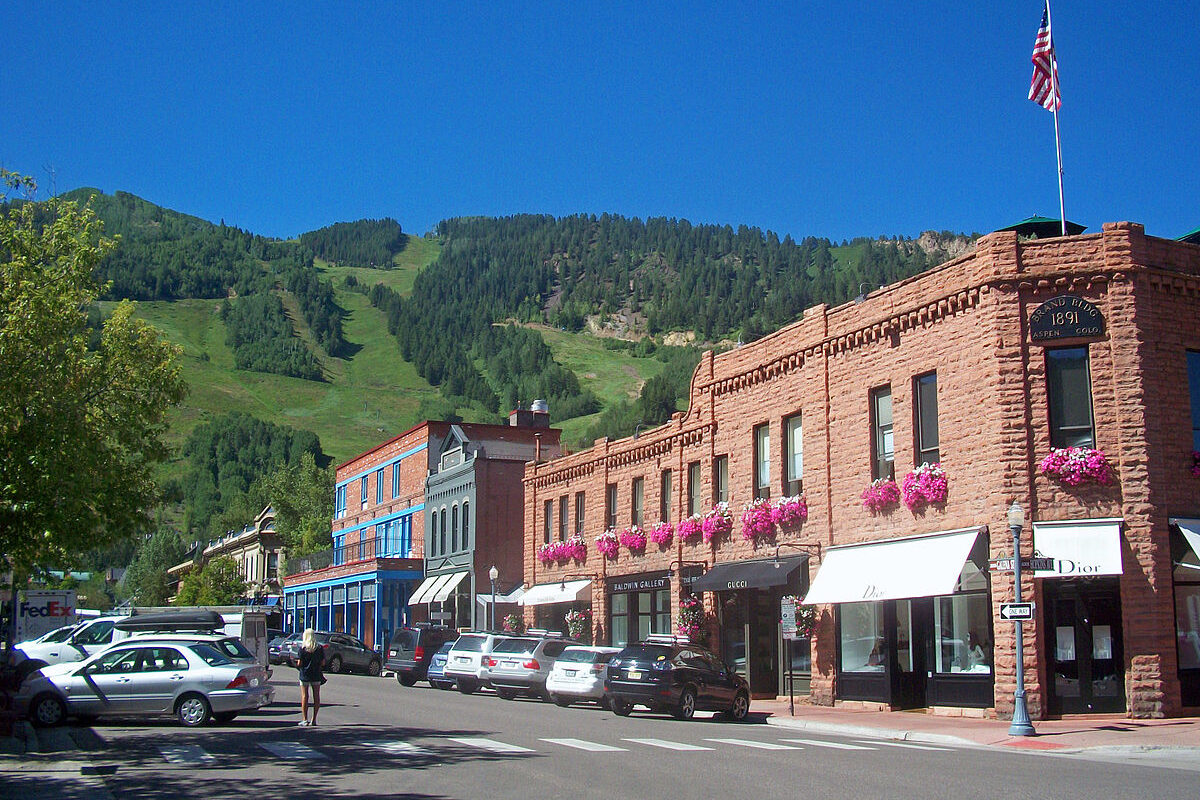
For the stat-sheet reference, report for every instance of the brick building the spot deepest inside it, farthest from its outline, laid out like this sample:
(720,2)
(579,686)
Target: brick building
(419,521)
(982,365)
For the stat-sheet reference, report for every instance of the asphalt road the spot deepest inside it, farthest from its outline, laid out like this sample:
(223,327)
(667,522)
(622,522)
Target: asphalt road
(376,738)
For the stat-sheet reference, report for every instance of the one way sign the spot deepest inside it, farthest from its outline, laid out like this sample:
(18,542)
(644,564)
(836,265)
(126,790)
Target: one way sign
(1016,611)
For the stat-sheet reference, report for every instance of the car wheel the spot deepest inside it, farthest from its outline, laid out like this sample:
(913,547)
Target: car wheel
(335,664)
(193,710)
(687,704)
(225,717)
(467,687)
(47,710)
(562,701)
(506,694)
(374,668)
(406,678)
(620,706)
(444,685)
(740,708)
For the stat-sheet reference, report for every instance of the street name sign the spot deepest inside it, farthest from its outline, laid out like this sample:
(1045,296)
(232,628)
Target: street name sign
(1034,564)
(1016,611)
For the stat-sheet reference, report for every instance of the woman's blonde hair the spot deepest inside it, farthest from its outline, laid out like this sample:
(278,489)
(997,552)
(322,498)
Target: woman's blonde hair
(309,640)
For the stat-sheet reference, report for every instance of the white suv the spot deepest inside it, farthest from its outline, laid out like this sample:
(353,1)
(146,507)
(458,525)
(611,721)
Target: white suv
(88,639)
(464,662)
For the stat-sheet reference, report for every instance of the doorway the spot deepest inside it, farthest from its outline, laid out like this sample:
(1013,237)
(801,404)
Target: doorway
(1083,640)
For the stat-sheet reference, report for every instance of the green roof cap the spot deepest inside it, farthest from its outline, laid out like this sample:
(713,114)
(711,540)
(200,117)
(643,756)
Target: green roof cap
(1044,227)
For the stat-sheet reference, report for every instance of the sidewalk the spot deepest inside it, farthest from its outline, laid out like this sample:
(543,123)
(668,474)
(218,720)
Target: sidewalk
(1099,732)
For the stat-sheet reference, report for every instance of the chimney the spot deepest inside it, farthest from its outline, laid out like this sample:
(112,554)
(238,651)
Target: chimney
(538,416)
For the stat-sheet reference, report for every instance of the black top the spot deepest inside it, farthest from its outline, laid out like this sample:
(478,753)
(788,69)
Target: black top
(311,662)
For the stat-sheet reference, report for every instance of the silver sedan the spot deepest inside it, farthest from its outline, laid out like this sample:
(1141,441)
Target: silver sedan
(192,680)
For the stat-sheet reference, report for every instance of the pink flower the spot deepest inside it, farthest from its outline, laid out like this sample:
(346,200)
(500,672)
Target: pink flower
(1196,463)
(1076,465)
(718,522)
(790,512)
(925,484)
(607,544)
(662,534)
(880,494)
(757,522)
(633,538)
(690,528)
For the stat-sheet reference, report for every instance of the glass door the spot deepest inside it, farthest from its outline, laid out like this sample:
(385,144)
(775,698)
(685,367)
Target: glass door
(1087,668)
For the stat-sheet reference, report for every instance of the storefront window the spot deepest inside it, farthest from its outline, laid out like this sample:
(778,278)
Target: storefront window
(619,624)
(862,647)
(961,625)
(1187,624)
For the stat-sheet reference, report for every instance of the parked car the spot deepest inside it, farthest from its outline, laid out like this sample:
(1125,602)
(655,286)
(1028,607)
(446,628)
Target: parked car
(578,674)
(521,664)
(192,680)
(464,662)
(437,668)
(278,649)
(412,648)
(229,646)
(88,639)
(343,653)
(674,676)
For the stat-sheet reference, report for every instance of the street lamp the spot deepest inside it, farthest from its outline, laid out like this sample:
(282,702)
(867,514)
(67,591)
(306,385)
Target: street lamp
(493,574)
(1021,725)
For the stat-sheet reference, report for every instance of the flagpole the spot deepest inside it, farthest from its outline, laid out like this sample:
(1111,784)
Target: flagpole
(1062,209)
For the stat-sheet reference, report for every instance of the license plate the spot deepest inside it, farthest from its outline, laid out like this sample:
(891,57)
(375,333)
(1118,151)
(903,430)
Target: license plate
(634,675)
(509,664)
(392,653)
(570,673)
(462,659)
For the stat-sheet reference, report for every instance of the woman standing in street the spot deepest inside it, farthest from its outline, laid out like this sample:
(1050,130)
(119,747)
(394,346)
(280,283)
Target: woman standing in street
(311,664)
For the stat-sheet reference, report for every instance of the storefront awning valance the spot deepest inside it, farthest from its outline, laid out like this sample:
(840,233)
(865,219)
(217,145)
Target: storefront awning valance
(1079,547)
(893,569)
(757,574)
(1190,530)
(447,588)
(425,591)
(562,592)
(511,597)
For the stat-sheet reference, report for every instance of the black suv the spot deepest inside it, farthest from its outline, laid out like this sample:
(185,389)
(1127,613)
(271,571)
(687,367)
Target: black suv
(412,648)
(343,653)
(674,676)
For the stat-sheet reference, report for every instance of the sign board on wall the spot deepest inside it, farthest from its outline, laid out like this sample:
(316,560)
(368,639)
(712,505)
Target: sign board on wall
(1079,548)
(1065,317)
(40,612)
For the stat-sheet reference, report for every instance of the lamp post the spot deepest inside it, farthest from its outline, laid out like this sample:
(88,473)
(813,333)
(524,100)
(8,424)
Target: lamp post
(1021,725)
(493,574)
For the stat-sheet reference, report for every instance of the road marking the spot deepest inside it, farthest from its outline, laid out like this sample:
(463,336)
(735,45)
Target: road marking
(909,746)
(592,747)
(491,744)
(398,748)
(293,750)
(752,743)
(663,743)
(834,745)
(185,754)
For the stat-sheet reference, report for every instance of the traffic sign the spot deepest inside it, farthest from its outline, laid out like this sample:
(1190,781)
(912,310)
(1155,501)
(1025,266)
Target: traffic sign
(1034,564)
(1016,611)
(787,613)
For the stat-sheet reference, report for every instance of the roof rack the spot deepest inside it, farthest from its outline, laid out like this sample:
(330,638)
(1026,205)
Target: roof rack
(667,638)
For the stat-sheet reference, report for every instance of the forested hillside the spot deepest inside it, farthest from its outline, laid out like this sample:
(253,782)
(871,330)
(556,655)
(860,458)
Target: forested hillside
(366,243)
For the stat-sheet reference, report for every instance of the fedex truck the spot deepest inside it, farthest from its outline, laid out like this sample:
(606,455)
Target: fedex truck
(39,612)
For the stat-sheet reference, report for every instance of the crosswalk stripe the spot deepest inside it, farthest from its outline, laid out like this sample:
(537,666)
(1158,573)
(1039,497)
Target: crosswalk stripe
(666,745)
(398,748)
(490,744)
(592,747)
(909,746)
(834,745)
(293,750)
(185,754)
(754,744)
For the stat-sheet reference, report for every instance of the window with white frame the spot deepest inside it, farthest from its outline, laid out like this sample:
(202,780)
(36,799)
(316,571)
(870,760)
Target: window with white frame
(793,433)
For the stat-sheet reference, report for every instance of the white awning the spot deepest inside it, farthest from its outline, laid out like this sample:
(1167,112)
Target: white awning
(893,569)
(445,590)
(427,589)
(1190,528)
(1079,547)
(558,592)
(511,597)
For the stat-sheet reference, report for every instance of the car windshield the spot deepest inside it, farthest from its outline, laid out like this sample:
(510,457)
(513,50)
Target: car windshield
(60,635)
(470,644)
(523,646)
(446,647)
(646,652)
(573,656)
(211,655)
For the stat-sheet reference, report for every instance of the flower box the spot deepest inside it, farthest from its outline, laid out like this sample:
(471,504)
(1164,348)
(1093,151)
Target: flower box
(607,544)
(557,552)
(1196,463)
(880,495)
(1077,465)
(925,484)
(790,512)
(757,521)
(634,539)
(662,534)
(691,528)
(718,522)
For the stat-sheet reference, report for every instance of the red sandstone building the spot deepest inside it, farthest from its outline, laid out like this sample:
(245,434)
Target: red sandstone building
(1088,344)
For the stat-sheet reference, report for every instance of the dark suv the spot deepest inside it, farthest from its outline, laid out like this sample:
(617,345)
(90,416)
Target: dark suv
(412,648)
(343,653)
(674,676)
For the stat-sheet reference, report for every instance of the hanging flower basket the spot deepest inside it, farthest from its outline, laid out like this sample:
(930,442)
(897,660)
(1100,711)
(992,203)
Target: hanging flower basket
(790,512)
(634,539)
(880,495)
(1077,465)
(925,484)
(575,547)
(1196,463)
(550,553)
(578,622)
(691,528)
(718,522)
(757,522)
(691,618)
(514,623)
(607,544)
(662,534)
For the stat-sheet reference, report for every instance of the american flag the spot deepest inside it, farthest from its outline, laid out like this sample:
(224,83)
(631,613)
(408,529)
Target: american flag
(1043,87)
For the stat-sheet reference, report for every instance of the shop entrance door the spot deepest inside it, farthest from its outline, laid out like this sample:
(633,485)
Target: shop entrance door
(1083,634)
(910,639)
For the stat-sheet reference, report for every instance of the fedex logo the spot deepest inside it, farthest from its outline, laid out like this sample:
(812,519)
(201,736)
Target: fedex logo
(52,608)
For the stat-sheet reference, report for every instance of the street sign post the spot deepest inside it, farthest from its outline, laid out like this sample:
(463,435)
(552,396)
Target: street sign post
(1034,564)
(1016,611)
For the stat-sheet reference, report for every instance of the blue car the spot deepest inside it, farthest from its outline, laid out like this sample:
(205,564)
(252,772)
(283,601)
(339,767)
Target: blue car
(437,668)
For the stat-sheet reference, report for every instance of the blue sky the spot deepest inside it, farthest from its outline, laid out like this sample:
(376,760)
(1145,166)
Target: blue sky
(838,120)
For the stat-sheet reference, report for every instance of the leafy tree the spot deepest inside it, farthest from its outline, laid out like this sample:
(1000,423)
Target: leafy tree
(80,429)
(146,581)
(301,493)
(218,583)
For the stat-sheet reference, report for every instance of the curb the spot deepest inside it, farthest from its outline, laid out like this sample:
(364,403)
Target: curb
(874,733)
